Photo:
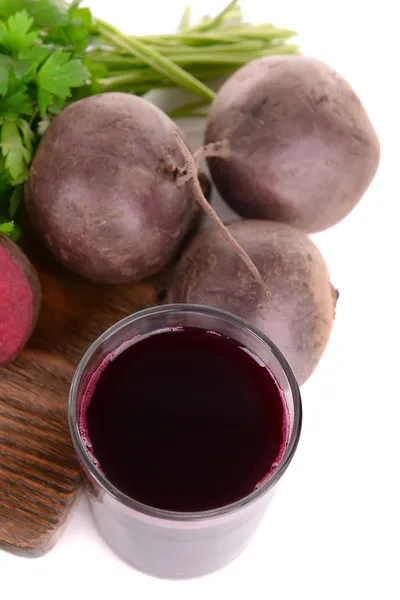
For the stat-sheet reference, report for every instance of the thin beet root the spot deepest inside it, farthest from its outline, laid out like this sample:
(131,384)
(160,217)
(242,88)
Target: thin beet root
(190,174)
(20,295)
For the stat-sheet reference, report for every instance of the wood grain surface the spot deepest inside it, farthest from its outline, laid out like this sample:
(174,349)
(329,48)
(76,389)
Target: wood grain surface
(39,474)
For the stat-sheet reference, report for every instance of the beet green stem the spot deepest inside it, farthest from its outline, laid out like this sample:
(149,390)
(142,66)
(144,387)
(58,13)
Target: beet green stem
(156,60)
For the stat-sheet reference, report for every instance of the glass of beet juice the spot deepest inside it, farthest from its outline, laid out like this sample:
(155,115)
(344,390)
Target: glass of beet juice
(184,418)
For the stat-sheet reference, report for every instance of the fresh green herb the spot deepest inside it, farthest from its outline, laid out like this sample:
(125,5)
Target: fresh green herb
(6,228)
(53,53)
(16,154)
(39,67)
(56,77)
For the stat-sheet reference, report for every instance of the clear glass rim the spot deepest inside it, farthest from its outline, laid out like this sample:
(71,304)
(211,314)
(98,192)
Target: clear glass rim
(113,491)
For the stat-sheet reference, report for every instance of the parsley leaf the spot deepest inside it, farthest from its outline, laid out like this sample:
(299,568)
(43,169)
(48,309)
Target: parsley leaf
(16,233)
(6,227)
(5,64)
(42,47)
(11,229)
(56,106)
(11,203)
(16,34)
(29,59)
(16,200)
(8,7)
(16,103)
(57,76)
(27,134)
(44,100)
(46,13)
(5,191)
(17,156)
(3,31)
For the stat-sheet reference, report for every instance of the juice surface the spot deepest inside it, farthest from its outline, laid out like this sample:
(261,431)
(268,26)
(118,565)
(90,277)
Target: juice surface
(185,420)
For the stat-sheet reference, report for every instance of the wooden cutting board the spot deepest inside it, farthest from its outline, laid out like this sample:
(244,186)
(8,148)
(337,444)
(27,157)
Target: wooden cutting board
(39,474)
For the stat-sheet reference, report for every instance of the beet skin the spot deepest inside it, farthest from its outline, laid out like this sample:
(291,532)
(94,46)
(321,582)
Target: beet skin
(103,192)
(302,148)
(299,316)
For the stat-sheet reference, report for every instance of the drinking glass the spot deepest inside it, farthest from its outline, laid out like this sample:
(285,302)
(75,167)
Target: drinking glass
(163,543)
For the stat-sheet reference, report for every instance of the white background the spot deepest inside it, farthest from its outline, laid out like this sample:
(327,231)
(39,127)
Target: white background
(333,528)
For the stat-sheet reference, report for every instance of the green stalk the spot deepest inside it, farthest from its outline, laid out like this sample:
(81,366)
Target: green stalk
(223,55)
(223,46)
(109,85)
(282,49)
(193,39)
(160,63)
(116,61)
(185,19)
(232,36)
(212,49)
(110,58)
(185,109)
(213,59)
(232,10)
(128,78)
(262,32)
(144,77)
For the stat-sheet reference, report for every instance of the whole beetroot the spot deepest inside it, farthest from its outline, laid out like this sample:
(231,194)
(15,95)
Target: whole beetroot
(299,316)
(302,148)
(103,190)
(20,295)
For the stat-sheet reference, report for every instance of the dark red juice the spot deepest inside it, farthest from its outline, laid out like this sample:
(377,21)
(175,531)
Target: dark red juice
(185,420)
